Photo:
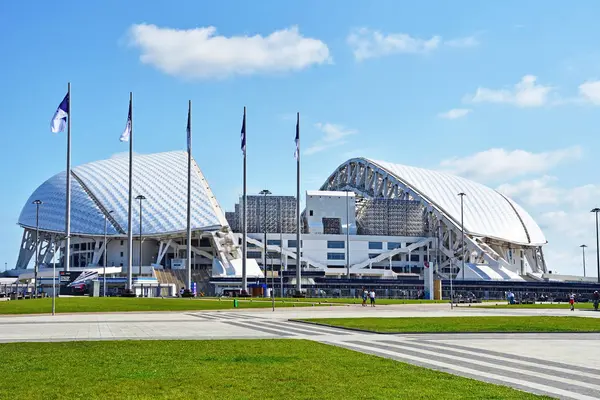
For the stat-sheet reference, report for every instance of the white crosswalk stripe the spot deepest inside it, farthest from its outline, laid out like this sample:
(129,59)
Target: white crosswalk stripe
(529,376)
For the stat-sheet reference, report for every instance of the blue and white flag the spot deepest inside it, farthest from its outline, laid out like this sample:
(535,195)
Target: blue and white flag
(59,121)
(127,132)
(297,151)
(189,130)
(243,136)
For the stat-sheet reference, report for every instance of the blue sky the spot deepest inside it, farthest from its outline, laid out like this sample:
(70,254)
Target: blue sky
(505,93)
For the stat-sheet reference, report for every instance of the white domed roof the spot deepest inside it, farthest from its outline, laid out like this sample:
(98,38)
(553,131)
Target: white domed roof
(101,186)
(486,213)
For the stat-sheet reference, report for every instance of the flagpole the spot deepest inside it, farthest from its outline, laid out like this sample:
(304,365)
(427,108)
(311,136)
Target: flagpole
(244,216)
(130,207)
(189,199)
(298,226)
(68,208)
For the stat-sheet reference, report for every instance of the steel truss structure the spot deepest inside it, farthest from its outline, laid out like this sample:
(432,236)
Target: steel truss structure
(375,184)
(280,214)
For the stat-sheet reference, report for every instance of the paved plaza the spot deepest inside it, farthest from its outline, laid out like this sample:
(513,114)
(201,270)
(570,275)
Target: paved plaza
(560,365)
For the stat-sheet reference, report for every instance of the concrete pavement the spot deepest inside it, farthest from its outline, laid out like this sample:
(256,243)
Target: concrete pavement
(560,365)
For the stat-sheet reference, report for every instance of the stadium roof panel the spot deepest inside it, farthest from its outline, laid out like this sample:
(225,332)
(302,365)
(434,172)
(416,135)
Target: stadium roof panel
(101,186)
(486,212)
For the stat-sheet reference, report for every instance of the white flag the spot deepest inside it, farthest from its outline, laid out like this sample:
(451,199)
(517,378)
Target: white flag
(127,132)
(59,121)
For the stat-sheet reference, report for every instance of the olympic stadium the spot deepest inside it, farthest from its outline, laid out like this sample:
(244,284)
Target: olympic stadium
(374,221)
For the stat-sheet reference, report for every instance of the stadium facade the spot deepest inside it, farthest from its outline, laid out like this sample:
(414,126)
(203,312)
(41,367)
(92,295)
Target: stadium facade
(368,219)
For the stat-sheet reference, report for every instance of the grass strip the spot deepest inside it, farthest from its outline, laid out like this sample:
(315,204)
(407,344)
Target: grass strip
(122,304)
(227,369)
(464,324)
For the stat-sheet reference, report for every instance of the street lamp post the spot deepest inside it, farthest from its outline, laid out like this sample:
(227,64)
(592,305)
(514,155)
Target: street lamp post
(451,288)
(272,286)
(37,244)
(265,193)
(462,232)
(347,237)
(596,211)
(140,198)
(583,246)
(105,253)
(53,277)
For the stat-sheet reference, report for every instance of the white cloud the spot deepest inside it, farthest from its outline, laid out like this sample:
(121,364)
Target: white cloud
(590,91)
(469,41)
(494,164)
(533,192)
(333,136)
(455,113)
(368,43)
(200,53)
(526,93)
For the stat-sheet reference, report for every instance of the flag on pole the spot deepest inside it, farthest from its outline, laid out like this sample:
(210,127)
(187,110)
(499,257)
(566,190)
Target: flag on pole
(59,121)
(189,129)
(127,132)
(297,151)
(243,136)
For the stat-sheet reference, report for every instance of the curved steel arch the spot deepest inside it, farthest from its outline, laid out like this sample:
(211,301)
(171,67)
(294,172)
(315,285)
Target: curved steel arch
(372,181)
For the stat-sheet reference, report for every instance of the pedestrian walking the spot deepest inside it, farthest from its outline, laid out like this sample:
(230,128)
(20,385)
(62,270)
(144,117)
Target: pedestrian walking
(572,301)
(372,297)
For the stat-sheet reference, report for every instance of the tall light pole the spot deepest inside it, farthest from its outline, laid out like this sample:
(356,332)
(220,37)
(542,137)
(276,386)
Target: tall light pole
(53,277)
(105,253)
(583,246)
(265,193)
(272,286)
(140,198)
(347,237)
(37,244)
(462,231)
(280,245)
(597,210)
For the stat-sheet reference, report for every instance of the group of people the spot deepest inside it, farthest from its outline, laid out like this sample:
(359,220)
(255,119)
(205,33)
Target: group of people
(366,294)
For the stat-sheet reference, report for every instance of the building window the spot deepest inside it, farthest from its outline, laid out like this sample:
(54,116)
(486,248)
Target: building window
(414,258)
(250,245)
(292,243)
(254,254)
(373,255)
(310,213)
(121,264)
(121,254)
(122,241)
(273,242)
(336,244)
(393,245)
(336,256)
(375,246)
(204,242)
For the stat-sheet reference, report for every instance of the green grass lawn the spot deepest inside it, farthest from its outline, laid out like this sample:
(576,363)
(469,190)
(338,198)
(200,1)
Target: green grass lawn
(380,301)
(223,369)
(116,304)
(565,306)
(466,324)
